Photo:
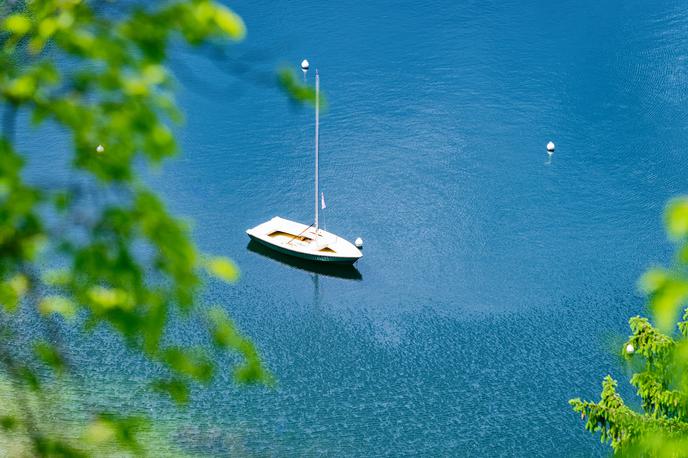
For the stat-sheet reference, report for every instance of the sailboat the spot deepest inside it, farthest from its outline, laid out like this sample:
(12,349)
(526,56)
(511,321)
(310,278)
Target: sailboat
(306,241)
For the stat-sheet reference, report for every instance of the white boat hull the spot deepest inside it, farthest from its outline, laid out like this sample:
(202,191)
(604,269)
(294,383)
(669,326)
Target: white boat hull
(296,239)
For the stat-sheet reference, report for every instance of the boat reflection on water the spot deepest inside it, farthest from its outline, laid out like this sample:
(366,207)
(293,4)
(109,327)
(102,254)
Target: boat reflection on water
(345,271)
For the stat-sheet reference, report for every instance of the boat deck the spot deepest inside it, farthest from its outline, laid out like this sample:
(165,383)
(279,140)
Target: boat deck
(300,240)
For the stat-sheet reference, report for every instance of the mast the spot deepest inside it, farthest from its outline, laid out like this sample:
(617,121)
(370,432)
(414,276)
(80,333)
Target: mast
(317,121)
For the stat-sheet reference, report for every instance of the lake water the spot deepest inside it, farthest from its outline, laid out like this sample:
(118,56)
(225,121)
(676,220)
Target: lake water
(495,282)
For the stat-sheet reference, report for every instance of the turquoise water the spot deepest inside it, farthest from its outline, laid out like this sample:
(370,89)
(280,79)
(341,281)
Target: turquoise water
(495,282)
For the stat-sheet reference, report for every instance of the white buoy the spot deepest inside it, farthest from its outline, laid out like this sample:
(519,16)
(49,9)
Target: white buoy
(630,349)
(100,149)
(550,147)
(305,65)
(358,242)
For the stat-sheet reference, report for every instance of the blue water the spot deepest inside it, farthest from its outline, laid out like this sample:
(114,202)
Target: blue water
(495,282)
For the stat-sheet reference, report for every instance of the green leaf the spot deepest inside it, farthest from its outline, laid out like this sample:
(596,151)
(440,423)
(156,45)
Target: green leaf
(667,302)
(676,218)
(103,299)
(229,22)
(21,88)
(50,356)
(653,280)
(224,332)
(17,24)
(223,268)
(175,388)
(29,377)
(59,305)
(62,200)
(12,290)
(100,431)
(57,277)
(123,430)
(192,363)
(296,90)
(8,423)
(225,335)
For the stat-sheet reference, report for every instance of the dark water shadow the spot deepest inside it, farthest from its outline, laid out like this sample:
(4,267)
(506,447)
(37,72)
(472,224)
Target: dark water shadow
(346,272)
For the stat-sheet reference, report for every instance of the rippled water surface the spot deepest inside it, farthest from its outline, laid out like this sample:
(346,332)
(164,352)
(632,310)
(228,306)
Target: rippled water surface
(494,280)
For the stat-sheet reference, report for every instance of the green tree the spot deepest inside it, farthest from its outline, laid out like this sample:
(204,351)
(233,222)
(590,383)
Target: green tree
(103,251)
(657,355)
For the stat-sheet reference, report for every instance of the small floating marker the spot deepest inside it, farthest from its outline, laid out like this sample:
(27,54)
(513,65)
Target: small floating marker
(629,349)
(550,147)
(358,242)
(304,68)
(100,149)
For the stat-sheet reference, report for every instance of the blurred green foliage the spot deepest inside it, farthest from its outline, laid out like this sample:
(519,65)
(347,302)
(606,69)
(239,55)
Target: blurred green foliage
(97,70)
(298,91)
(657,355)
